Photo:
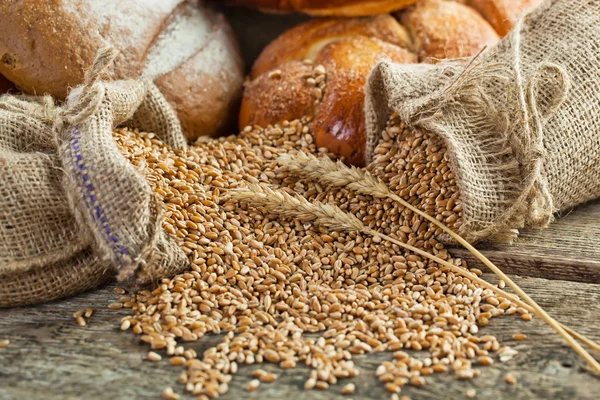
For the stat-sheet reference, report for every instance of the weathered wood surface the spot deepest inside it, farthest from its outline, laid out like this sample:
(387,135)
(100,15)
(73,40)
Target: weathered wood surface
(569,249)
(51,357)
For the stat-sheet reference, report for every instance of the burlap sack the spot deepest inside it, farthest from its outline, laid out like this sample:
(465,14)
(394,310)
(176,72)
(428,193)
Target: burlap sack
(73,211)
(521,121)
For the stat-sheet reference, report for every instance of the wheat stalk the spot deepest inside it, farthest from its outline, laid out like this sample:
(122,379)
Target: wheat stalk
(337,174)
(296,207)
(332,217)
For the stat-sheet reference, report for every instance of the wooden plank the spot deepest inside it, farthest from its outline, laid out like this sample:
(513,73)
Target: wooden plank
(568,249)
(51,357)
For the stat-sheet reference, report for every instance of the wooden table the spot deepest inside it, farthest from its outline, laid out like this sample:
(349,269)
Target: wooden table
(51,357)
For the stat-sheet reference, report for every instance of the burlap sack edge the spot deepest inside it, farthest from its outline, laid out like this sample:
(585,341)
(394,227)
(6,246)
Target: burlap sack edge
(430,88)
(157,256)
(26,284)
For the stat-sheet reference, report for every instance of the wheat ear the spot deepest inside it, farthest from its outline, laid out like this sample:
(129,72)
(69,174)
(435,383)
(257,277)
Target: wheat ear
(337,174)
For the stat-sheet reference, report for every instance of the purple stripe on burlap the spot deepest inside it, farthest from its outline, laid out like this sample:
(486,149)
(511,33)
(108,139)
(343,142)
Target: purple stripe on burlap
(90,197)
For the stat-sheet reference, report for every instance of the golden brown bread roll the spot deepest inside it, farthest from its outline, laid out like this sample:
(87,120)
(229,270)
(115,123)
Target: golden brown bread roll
(306,40)
(188,50)
(348,49)
(502,14)
(345,8)
(446,29)
(287,90)
(339,122)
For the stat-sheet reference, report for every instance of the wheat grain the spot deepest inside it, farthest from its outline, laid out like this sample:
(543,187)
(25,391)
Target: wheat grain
(253,385)
(337,174)
(510,379)
(265,281)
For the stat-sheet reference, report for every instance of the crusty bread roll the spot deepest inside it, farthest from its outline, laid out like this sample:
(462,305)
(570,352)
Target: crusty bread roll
(285,88)
(306,40)
(340,8)
(502,14)
(281,85)
(446,29)
(188,50)
(339,122)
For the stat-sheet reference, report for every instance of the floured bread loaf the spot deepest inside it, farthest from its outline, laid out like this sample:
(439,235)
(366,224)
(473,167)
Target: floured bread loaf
(188,50)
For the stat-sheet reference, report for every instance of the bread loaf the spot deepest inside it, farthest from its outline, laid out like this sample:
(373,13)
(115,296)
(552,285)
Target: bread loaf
(346,8)
(186,49)
(446,29)
(282,84)
(286,88)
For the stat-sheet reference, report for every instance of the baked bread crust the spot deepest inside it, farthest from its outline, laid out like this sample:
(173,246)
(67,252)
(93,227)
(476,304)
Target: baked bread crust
(446,29)
(188,50)
(347,49)
(339,8)
(340,119)
(306,40)
(286,89)
(429,31)
(502,14)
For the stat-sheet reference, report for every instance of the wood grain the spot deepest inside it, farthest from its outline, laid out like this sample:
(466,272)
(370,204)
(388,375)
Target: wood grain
(51,357)
(569,249)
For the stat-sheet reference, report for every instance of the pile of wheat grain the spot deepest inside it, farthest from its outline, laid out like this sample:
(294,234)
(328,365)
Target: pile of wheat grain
(289,292)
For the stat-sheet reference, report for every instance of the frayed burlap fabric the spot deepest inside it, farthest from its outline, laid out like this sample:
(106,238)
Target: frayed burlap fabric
(73,211)
(521,121)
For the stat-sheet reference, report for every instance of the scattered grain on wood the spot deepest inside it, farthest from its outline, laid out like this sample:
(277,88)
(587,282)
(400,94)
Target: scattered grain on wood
(169,394)
(253,385)
(152,356)
(115,306)
(126,324)
(486,360)
(510,379)
(348,388)
(259,373)
(268,377)
(266,282)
